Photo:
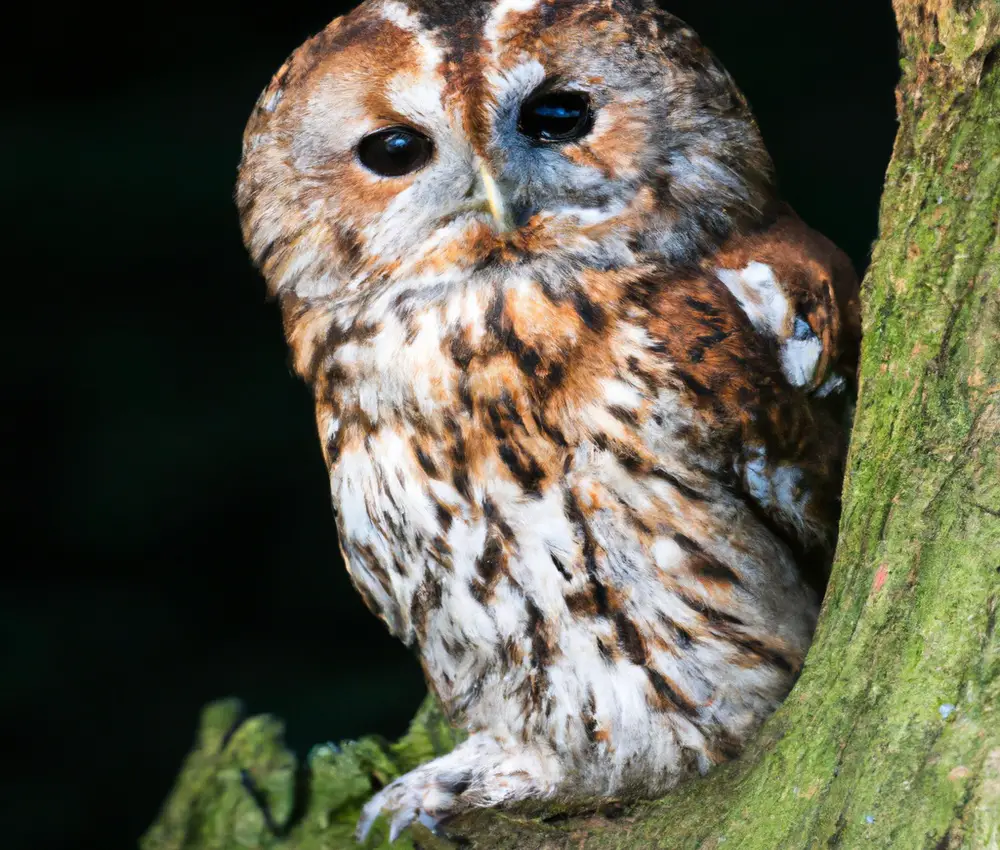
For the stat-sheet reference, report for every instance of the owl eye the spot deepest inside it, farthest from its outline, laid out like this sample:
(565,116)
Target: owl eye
(555,116)
(395,151)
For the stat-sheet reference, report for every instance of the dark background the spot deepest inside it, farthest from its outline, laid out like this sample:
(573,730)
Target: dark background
(166,503)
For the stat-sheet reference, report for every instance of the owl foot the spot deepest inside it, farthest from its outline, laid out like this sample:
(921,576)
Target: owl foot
(478,774)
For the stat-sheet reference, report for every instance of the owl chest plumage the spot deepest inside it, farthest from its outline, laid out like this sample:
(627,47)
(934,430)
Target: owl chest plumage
(530,493)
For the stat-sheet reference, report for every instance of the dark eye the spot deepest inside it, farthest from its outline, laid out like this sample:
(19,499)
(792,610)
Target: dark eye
(394,151)
(557,116)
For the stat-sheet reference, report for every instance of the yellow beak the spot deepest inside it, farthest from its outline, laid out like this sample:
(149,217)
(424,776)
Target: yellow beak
(495,200)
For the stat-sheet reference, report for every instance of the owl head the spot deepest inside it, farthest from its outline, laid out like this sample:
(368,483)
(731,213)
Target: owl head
(420,143)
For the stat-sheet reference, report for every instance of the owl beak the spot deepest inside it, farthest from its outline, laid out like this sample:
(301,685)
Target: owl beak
(498,209)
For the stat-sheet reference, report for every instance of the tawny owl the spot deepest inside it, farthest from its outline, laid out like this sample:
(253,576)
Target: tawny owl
(580,380)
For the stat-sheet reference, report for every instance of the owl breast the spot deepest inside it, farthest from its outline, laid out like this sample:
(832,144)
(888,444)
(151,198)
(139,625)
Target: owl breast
(539,491)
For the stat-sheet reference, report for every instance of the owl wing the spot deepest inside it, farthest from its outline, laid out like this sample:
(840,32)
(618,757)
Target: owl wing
(796,287)
(765,338)
(800,294)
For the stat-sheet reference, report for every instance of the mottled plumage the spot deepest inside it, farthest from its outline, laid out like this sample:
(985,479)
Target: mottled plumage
(583,401)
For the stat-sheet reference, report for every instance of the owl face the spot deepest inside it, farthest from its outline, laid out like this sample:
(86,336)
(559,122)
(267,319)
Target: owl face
(429,142)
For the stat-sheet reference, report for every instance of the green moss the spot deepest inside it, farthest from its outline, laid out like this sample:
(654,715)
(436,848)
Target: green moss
(964,33)
(316,805)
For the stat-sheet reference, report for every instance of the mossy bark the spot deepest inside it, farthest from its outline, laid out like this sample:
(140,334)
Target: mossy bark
(891,738)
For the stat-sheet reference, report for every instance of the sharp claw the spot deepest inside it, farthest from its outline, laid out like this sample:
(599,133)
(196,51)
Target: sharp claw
(402,820)
(368,815)
(432,823)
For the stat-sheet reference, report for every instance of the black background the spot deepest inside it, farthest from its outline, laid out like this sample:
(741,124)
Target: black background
(165,500)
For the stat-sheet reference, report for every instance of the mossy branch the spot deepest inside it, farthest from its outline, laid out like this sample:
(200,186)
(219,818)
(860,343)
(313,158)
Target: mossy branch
(891,738)
(240,786)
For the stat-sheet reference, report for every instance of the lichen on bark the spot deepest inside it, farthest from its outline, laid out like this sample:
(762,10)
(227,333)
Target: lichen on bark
(891,738)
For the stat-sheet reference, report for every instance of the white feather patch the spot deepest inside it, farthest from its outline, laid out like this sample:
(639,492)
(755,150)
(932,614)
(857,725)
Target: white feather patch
(770,312)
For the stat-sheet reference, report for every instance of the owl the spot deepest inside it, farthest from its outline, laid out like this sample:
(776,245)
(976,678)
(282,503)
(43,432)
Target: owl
(582,380)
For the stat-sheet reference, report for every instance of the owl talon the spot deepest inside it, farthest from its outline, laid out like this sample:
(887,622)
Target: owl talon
(399,801)
(402,820)
(480,772)
(391,801)
(368,815)
(431,823)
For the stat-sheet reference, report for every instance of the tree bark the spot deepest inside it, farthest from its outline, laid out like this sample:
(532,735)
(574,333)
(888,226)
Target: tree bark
(891,738)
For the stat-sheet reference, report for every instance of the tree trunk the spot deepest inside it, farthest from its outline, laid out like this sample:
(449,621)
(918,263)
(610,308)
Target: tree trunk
(891,738)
